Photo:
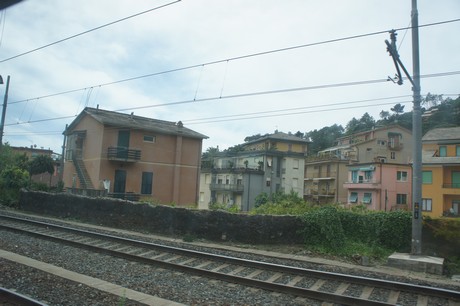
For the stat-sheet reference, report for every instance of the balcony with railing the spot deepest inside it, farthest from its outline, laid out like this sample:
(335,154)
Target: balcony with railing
(451,188)
(363,184)
(395,146)
(123,154)
(227,187)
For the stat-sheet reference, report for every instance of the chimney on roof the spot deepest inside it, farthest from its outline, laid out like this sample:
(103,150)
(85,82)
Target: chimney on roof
(132,114)
(180,124)
(97,107)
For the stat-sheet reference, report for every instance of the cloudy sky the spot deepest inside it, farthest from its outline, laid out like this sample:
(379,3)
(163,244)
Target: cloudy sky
(227,69)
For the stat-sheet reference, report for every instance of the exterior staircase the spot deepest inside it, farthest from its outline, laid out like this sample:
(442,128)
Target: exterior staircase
(83,176)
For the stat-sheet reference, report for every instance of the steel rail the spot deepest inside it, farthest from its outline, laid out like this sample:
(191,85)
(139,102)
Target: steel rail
(9,297)
(364,281)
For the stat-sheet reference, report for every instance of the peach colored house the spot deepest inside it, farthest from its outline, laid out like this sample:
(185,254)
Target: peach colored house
(132,157)
(380,186)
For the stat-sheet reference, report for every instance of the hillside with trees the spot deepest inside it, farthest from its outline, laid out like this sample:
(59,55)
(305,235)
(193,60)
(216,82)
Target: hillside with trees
(436,112)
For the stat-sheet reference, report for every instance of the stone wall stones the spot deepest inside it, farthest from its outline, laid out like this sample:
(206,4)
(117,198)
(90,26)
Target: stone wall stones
(166,220)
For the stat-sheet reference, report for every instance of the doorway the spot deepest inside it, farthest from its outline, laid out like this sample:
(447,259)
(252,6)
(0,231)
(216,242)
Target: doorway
(120,181)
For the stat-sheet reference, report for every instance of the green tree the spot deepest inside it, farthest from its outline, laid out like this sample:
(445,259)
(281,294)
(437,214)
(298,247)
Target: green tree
(432,100)
(323,138)
(398,109)
(41,164)
(366,122)
(445,114)
(12,179)
(384,115)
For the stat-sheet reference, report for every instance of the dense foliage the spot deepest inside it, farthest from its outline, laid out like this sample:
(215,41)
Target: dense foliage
(330,228)
(16,171)
(280,204)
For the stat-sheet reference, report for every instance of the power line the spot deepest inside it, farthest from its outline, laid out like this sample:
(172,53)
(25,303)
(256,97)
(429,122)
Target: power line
(88,31)
(230,59)
(251,94)
(294,109)
(298,113)
(286,90)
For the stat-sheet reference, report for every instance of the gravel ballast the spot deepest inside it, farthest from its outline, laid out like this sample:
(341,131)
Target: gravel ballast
(166,284)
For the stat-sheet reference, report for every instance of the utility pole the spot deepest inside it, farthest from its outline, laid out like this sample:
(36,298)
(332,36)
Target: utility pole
(5,101)
(416,242)
(416,248)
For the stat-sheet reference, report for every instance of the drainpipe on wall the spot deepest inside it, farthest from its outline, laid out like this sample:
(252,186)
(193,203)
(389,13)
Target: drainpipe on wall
(61,170)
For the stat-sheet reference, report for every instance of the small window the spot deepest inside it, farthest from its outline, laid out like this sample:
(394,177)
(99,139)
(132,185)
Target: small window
(392,155)
(149,138)
(353,197)
(427,177)
(367,199)
(368,176)
(296,164)
(442,151)
(401,198)
(401,176)
(426,204)
(354,176)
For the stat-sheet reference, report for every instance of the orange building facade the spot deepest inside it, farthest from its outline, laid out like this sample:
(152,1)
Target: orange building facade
(133,157)
(441,172)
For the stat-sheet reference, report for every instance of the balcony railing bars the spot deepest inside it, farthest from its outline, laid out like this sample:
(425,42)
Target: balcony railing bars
(123,153)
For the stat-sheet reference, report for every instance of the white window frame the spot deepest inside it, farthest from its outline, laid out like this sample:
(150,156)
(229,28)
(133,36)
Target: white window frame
(401,176)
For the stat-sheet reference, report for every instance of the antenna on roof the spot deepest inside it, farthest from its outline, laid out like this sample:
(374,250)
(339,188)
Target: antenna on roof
(97,107)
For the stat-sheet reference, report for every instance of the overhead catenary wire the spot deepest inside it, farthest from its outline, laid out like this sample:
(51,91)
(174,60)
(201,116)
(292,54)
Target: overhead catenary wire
(296,113)
(189,121)
(88,31)
(207,99)
(232,59)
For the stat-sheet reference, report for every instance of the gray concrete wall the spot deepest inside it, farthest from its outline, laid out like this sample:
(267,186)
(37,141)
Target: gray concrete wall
(207,224)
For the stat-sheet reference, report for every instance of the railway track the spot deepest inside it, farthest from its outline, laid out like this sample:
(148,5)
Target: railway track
(319,285)
(11,298)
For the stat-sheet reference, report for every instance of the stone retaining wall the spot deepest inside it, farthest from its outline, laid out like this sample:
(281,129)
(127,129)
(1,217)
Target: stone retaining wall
(207,224)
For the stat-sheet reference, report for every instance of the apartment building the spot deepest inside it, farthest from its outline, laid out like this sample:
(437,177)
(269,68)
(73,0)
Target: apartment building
(370,167)
(132,157)
(441,172)
(269,164)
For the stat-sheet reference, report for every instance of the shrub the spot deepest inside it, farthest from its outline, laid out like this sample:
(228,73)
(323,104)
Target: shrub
(280,204)
(444,228)
(38,186)
(12,179)
(328,226)
(323,228)
(220,206)
(395,229)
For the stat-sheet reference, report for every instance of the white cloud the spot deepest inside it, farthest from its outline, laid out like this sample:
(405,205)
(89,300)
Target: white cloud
(197,32)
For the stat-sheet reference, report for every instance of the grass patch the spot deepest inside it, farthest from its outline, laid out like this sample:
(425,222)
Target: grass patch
(350,250)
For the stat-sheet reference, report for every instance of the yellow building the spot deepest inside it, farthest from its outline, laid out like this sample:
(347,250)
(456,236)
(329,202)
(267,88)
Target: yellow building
(441,172)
